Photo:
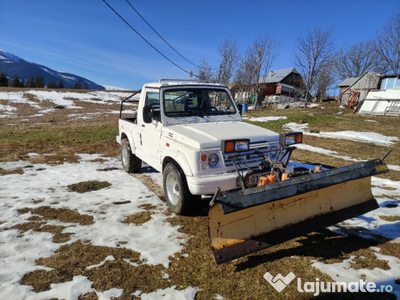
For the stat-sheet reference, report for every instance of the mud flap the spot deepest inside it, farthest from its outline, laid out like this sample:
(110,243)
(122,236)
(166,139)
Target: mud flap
(243,222)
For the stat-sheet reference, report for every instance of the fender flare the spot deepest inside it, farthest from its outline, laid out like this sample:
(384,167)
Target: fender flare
(180,159)
(128,136)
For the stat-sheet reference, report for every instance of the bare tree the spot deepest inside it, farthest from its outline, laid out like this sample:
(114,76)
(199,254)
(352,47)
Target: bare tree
(315,53)
(388,44)
(205,73)
(265,51)
(245,73)
(325,81)
(229,59)
(257,62)
(358,59)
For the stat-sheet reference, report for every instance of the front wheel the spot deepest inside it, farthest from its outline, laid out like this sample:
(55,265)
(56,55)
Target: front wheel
(177,194)
(130,162)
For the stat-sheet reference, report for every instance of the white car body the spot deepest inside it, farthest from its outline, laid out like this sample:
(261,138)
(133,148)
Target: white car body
(186,139)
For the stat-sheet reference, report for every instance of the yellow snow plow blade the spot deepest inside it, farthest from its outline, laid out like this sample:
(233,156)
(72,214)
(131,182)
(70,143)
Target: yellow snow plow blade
(249,220)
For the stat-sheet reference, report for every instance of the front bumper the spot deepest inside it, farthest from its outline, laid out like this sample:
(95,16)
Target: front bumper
(209,184)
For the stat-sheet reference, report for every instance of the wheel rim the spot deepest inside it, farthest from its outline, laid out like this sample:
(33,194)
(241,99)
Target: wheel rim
(173,190)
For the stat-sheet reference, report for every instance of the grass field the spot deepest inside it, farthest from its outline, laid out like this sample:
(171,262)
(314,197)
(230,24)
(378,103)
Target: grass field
(63,135)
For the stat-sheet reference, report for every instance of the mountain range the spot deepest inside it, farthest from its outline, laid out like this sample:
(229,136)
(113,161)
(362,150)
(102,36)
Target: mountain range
(12,65)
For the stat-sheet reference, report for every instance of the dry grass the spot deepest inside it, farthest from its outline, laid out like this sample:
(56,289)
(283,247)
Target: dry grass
(74,259)
(88,186)
(56,145)
(60,214)
(151,184)
(62,136)
(14,171)
(138,218)
(390,218)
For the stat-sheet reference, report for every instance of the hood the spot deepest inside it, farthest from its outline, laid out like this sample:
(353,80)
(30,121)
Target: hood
(210,135)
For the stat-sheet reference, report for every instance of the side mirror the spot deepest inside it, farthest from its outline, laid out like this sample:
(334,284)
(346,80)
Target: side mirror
(147,114)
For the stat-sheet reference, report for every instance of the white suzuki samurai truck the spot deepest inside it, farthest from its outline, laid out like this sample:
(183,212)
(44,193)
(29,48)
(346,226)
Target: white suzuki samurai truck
(193,133)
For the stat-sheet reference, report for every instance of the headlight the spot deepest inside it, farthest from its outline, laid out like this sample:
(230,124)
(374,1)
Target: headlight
(235,146)
(287,139)
(213,160)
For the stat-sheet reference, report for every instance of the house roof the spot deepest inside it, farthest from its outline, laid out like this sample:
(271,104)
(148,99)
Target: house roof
(348,81)
(277,76)
(361,77)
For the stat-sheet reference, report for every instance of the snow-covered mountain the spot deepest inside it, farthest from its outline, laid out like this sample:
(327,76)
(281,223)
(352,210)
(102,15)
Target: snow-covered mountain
(12,65)
(113,88)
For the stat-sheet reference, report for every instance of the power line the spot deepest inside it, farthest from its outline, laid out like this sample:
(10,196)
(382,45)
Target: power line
(160,35)
(126,22)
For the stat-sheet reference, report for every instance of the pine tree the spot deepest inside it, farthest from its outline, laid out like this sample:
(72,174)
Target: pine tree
(39,82)
(3,79)
(85,85)
(77,85)
(16,82)
(51,85)
(61,84)
(30,83)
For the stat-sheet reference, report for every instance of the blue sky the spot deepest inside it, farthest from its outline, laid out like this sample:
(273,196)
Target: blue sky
(86,38)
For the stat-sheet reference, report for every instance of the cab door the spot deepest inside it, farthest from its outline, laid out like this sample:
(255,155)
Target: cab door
(150,133)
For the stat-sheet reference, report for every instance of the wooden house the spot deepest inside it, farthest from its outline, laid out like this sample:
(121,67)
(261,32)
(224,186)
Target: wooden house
(358,90)
(285,82)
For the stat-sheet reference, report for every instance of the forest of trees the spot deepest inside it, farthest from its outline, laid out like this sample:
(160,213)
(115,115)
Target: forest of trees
(316,57)
(37,82)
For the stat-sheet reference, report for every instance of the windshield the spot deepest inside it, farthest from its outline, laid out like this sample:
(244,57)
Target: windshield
(195,101)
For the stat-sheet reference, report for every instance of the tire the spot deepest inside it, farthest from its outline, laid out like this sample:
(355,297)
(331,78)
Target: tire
(177,194)
(130,162)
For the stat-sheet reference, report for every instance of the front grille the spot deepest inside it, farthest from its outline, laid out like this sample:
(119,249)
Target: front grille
(249,159)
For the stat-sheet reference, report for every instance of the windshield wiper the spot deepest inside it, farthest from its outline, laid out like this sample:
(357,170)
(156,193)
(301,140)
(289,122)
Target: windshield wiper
(173,115)
(189,113)
(196,112)
(218,113)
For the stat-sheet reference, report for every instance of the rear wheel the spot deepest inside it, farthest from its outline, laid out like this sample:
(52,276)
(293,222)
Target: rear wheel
(130,162)
(177,194)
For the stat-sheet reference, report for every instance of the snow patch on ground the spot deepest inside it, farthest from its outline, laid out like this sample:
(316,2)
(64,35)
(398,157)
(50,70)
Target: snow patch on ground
(324,151)
(343,272)
(170,293)
(59,98)
(372,224)
(335,154)
(267,119)
(364,137)
(49,184)
(54,97)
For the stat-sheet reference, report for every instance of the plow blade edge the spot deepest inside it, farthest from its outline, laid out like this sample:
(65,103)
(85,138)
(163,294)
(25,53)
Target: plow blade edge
(247,221)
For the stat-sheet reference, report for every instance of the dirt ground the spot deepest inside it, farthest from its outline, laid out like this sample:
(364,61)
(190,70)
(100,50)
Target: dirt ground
(91,127)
